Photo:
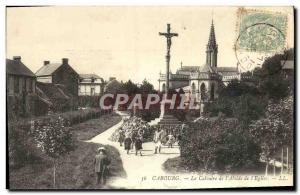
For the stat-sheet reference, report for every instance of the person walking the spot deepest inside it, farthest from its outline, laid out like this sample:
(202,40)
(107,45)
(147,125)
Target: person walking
(133,138)
(101,163)
(157,140)
(121,137)
(171,140)
(127,141)
(138,145)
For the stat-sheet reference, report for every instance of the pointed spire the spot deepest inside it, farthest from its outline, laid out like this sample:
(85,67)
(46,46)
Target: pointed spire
(212,47)
(212,38)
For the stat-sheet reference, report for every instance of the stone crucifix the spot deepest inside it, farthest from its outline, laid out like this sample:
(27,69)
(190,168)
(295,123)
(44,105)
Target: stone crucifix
(169,36)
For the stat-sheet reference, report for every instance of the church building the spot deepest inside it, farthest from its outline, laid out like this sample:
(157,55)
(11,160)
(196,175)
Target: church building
(202,81)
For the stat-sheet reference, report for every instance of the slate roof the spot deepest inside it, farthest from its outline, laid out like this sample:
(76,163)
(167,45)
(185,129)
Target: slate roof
(206,68)
(89,76)
(212,44)
(227,69)
(189,68)
(48,69)
(228,73)
(16,67)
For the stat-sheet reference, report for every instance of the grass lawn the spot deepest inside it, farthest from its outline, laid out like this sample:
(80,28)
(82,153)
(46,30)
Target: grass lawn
(93,127)
(76,170)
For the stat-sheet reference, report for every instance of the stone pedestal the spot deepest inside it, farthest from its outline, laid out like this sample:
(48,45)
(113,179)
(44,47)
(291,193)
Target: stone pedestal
(166,118)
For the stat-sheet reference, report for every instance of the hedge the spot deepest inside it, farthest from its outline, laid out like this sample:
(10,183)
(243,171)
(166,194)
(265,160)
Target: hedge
(219,145)
(21,146)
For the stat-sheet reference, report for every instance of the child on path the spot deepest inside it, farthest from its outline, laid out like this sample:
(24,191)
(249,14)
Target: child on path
(171,140)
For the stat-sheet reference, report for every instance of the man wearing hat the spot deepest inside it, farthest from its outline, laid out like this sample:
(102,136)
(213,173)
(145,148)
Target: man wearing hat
(101,163)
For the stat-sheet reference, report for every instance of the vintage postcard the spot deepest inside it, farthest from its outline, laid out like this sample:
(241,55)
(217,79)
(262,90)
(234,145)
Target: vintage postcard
(150,97)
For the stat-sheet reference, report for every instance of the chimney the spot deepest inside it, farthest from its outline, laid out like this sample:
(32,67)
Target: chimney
(17,58)
(46,63)
(65,61)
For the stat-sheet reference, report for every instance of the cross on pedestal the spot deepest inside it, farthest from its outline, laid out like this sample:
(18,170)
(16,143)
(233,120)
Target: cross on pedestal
(166,119)
(169,36)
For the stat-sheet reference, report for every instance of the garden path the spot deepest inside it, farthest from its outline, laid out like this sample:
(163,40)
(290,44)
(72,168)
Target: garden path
(146,172)
(137,167)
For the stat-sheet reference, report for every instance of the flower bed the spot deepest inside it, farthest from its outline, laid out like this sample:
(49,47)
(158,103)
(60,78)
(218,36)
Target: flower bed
(134,125)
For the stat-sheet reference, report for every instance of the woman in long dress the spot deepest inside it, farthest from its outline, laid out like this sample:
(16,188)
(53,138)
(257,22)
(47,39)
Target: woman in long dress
(121,137)
(138,145)
(127,142)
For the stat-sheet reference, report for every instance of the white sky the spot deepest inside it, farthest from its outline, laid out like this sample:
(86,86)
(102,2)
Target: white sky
(120,41)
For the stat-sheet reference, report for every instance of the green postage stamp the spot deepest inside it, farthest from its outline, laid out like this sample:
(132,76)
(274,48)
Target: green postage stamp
(261,31)
(260,34)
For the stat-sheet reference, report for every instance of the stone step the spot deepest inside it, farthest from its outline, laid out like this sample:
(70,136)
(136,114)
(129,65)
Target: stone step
(166,119)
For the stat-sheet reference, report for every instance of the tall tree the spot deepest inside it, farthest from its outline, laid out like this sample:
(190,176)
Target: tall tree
(131,88)
(146,87)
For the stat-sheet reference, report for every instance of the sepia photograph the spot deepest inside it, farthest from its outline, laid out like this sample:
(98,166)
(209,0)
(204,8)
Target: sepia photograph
(150,97)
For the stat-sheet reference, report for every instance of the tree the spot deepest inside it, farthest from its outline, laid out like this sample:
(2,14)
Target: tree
(272,82)
(248,107)
(21,147)
(146,87)
(236,88)
(219,145)
(55,140)
(130,88)
(238,99)
(275,130)
(114,87)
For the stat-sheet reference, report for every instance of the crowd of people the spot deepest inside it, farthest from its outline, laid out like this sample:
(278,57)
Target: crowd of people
(134,131)
(131,136)
(134,140)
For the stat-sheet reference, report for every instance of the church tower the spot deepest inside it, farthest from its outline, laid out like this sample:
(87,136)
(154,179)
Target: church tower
(212,48)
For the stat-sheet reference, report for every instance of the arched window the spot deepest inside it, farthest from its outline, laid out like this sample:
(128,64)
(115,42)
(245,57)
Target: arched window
(163,88)
(212,91)
(203,91)
(193,88)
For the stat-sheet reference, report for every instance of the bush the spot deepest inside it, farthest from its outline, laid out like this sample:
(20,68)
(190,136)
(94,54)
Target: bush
(149,114)
(217,145)
(21,145)
(88,101)
(245,107)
